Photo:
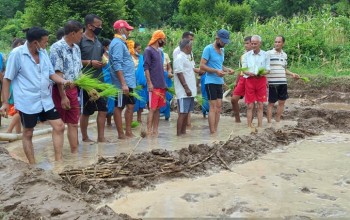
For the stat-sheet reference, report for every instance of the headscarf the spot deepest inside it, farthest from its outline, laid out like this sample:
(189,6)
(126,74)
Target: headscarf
(159,34)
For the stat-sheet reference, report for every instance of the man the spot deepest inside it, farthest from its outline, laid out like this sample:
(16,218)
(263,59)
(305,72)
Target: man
(255,85)
(123,76)
(239,90)
(212,63)
(153,65)
(91,55)
(66,60)
(185,84)
(190,36)
(29,70)
(277,79)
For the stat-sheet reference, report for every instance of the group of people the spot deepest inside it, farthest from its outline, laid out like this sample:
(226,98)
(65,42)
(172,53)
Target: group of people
(30,71)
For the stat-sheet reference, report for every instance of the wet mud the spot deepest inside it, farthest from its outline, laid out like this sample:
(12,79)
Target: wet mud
(32,193)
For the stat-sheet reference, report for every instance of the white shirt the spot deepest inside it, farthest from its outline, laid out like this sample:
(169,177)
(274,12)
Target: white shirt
(255,61)
(182,64)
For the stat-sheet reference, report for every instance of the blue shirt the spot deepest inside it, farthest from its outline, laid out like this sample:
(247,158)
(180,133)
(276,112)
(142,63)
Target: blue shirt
(215,61)
(66,59)
(120,60)
(30,81)
(1,63)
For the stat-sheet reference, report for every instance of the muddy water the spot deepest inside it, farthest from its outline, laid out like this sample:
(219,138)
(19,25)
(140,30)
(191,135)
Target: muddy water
(88,153)
(336,106)
(310,178)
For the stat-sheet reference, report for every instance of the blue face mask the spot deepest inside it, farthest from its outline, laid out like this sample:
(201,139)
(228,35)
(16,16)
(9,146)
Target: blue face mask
(39,49)
(124,36)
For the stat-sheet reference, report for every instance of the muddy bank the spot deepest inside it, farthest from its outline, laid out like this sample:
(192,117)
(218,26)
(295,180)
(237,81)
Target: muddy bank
(32,193)
(143,170)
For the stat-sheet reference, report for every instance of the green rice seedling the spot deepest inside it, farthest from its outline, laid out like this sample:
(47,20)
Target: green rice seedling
(261,71)
(171,90)
(231,86)
(201,100)
(305,79)
(136,96)
(138,88)
(110,92)
(135,124)
(87,82)
(243,69)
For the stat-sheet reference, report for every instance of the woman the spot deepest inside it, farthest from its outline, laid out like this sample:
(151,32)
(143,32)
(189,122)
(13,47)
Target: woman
(141,85)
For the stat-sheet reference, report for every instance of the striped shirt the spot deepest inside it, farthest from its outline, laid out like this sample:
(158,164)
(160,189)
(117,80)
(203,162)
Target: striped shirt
(278,64)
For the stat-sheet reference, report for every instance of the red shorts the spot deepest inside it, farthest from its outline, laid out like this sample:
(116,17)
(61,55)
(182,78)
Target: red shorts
(157,98)
(255,89)
(240,87)
(71,115)
(12,111)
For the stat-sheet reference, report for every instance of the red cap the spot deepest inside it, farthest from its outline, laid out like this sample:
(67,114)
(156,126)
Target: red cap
(121,24)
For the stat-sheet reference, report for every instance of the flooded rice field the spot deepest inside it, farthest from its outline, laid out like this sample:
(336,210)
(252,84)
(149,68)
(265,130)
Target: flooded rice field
(297,169)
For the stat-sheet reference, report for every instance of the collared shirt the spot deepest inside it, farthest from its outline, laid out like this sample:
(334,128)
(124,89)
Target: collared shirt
(153,62)
(215,61)
(120,60)
(30,81)
(66,59)
(91,50)
(278,63)
(177,52)
(185,66)
(256,61)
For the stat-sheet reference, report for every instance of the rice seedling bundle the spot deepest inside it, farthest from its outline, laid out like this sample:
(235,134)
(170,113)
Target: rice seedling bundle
(201,100)
(305,79)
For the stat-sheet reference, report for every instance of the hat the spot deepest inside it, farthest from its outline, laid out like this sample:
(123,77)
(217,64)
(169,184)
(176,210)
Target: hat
(224,36)
(158,34)
(121,24)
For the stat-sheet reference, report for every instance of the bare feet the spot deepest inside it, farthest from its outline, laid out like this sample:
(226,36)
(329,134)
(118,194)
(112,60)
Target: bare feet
(122,137)
(129,135)
(87,140)
(102,140)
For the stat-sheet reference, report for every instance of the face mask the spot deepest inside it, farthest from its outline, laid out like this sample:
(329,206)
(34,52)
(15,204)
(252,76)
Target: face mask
(124,36)
(161,43)
(39,49)
(219,45)
(97,31)
(137,54)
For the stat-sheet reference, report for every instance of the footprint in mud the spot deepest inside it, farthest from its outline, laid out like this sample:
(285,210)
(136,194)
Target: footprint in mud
(328,197)
(190,197)
(238,208)
(144,212)
(296,217)
(287,176)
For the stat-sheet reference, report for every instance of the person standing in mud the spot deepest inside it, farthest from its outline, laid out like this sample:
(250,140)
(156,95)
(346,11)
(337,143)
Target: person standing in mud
(212,63)
(123,77)
(91,56)
(185,84)
(66,60)
(239,90)
(153,65)
(29,70)
(255,84)
(277,79)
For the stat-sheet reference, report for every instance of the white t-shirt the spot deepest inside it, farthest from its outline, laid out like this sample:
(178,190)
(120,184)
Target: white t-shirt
(182,64)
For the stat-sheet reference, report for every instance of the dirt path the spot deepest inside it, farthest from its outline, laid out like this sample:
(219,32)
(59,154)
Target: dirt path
(30,193)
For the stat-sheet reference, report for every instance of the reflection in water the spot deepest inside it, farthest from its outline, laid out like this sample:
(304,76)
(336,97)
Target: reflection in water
(89,152)
(336,106)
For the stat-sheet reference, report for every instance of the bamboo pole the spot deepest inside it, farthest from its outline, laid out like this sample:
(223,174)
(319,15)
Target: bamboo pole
(15,137)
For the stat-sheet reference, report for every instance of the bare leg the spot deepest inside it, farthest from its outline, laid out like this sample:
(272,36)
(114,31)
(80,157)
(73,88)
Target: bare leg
(118,120)
(72,134)
(260,113)
(15,123)
(280,109)
(101,119)
(84,122)
(28,144)
(128,119)
(155,123)
(250,114)
(109,120)
(181,123)
(217,113)
(212,115)
(235,108)
(150,121)
(269,112)
(139,115)
(57,137)
(188,119)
